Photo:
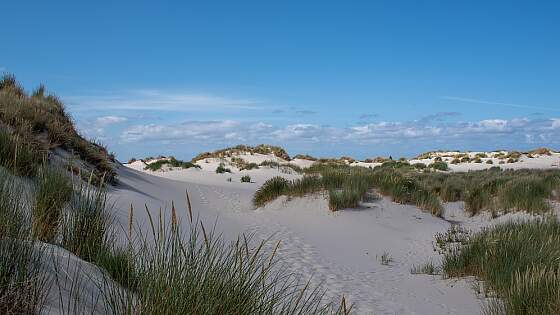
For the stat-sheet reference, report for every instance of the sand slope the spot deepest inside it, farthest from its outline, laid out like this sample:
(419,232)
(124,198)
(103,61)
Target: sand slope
(340,250)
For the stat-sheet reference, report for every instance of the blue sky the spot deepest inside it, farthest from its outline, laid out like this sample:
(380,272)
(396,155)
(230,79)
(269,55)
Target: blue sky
(321,77)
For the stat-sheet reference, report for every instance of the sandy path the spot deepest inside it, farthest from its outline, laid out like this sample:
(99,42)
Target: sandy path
(340,250)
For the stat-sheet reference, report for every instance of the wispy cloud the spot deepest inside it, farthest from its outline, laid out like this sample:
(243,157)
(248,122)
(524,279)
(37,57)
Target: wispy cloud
(395,132)
(96,128)
(158,100)
(486,102)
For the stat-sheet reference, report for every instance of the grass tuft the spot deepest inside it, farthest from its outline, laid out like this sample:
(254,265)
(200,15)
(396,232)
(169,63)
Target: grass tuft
(516,261)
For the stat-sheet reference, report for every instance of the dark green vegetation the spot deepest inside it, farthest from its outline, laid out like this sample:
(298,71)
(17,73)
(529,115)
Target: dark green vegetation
(240,149)
(246,179)
(171,162)
(38,123)
(164,272)
(54,190)
(493,189)
(222,169)
(518,262)
(345,185)
(199,273)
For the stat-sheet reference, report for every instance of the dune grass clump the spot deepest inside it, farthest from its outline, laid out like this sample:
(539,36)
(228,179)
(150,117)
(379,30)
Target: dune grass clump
(22,285)
(439,165)
(200,273)
(54,190)
(526,193)
(453,189)
(222,169)
(346,185)
(406,189)
(516,261)
(249,166)
(86,224)
(428,268)
(18,155)
(172,162)
(270,190)
(477,199)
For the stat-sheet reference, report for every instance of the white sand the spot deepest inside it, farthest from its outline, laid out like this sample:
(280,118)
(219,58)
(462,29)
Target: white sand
(341,250)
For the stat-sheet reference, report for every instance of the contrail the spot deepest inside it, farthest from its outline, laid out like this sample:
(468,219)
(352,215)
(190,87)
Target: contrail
(475,101)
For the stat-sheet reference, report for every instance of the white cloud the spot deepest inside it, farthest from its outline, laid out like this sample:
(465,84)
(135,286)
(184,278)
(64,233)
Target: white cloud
(513,132)
(109,120)
(556,123)
(157,100)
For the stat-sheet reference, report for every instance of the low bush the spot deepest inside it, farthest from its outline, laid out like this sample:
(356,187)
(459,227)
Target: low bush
(222,169)
(249,166)
(172,162)
(246,179)
(440,166)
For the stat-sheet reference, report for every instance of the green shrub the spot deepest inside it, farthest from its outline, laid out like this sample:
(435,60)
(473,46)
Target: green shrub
(489,162)
(517,261)
(246,179)
(440,166)
(222,169)
(419,166)
(54,190)
(172,162)
(249,166)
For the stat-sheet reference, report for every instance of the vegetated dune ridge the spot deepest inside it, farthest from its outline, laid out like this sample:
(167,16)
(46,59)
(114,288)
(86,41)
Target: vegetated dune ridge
(366,253)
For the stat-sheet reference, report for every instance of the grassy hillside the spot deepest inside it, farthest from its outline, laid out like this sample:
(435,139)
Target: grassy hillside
(229,152)
(33,126)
